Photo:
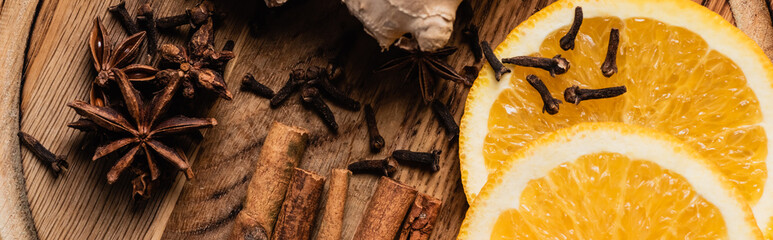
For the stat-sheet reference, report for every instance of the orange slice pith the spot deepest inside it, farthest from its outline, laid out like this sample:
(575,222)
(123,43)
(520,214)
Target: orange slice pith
(688,72)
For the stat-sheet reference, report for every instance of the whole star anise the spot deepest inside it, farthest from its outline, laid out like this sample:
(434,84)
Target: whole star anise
(106,58)
(198,61)
(144,131)
(426,67)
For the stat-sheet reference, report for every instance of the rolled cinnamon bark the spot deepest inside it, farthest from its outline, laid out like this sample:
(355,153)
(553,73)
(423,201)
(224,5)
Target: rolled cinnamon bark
(421,218)
(333,216)
(753,18)
(386,210)
(300,206)
(281,152)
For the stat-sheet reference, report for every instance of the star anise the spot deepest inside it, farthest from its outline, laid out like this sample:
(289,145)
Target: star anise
(144,131)
(426,67)
(198,61)
(106,58)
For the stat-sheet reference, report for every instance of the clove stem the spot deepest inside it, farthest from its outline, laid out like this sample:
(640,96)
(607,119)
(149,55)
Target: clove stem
(567,42)
(382,167)
(148,22)
(57,163)
(251,85)
(335,95)
(499,68)
(556,65)
(292,85)
(376,140)
(550,104)
(425,160)
(470,34)
(119,11)
(173,21)
(311,99)
(446,119)
(575,94)
(609,67)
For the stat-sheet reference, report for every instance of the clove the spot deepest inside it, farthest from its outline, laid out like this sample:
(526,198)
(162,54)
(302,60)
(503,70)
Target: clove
(497,65)
(251,85)
(470,34)
(567,42)
(195,16)
(376,140)
(425,160)
(446,120)
(576,94)
(119,11)
(311,99)
(609,67)
(229,45)
(470,73)
(173,21)
(292,85)
(57,163)
(383,167)
(556,65)
(550,104)
(322,81)
(148,22)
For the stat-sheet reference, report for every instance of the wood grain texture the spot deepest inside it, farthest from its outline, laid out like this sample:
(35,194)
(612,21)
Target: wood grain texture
(16,16)
(80,205)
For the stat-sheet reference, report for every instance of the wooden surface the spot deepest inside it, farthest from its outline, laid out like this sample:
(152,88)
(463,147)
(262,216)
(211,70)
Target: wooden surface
(16,17)
(81,205)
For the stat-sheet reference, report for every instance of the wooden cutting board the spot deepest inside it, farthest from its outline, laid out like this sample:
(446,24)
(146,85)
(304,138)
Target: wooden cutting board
(80,205)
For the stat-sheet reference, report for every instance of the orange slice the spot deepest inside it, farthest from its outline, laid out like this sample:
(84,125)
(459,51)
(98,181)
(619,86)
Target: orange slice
(688,72)
(609,181)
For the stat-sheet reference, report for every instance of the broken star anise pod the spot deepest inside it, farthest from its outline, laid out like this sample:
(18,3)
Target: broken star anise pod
(143,132)
(198,62)
(106,58)
(426,67)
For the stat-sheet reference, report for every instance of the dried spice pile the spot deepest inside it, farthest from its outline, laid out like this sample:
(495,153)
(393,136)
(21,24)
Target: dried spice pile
(139,113)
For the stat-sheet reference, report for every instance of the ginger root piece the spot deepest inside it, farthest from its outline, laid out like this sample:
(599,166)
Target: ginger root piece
(430,22)
(275,3)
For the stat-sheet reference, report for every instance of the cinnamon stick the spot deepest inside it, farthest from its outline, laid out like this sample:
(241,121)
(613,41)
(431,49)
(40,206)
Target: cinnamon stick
(300,206)
(421,218)
(281,152)
(386,210)
(330,228)
(753,18)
